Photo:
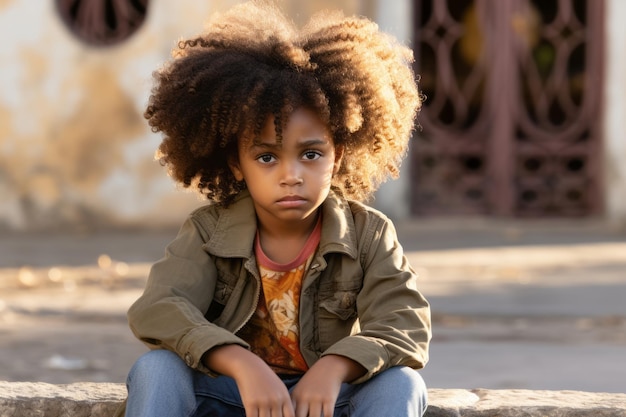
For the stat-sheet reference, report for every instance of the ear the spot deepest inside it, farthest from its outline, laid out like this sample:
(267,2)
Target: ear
(233,164)
(338,158)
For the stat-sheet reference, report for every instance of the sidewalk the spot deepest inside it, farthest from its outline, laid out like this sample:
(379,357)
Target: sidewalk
(537,305)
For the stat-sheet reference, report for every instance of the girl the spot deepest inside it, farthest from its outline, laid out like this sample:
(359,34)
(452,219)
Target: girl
(286,296)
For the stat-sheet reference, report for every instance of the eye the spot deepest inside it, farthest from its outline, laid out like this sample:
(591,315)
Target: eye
(266,158)
(312,155)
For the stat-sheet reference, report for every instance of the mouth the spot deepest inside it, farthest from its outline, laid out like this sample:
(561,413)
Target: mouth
(291,201)
(291,198)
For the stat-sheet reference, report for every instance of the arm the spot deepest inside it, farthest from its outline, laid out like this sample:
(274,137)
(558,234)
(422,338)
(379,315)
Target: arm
(170,312)
(394,316)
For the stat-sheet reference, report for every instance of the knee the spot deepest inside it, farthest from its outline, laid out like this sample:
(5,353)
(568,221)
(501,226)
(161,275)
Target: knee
(415,379)
(418,389)
(408,377)
(157,364)
(409,384)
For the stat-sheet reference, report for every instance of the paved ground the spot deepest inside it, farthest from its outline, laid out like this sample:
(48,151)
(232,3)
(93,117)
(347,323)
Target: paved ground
(536,305)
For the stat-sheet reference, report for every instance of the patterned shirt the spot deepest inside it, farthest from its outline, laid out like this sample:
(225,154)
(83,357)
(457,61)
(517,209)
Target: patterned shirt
(273,332)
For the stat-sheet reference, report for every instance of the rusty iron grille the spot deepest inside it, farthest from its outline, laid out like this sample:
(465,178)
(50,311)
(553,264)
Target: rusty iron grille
(510,124)
(103,22)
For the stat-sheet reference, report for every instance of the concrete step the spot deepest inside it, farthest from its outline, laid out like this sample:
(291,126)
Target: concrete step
(102,399)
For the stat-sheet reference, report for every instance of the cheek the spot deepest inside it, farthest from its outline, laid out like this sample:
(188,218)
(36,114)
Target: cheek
(334,167)
(327,175)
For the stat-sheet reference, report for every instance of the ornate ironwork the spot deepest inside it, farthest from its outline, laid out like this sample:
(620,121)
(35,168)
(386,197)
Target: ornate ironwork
(510,124)
(557,116)
(103,22)
(449,156)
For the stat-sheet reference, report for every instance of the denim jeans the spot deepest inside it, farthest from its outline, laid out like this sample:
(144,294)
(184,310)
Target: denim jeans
(160,384)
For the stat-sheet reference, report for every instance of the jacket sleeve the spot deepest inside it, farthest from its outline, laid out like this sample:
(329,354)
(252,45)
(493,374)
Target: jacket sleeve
(394,317)
(170,312)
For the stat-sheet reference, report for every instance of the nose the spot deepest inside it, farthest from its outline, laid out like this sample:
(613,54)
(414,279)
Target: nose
(291,174)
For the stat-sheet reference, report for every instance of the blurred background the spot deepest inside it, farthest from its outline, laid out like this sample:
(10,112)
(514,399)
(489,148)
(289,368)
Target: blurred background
(510,203)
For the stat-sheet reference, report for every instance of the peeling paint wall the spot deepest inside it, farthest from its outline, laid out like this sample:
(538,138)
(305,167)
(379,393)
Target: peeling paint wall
(75,151)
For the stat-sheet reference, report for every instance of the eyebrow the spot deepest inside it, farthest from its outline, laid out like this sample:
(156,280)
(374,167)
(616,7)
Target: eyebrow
(304,144)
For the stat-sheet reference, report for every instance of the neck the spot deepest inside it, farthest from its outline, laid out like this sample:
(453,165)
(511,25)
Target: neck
(288,230)
(283,244)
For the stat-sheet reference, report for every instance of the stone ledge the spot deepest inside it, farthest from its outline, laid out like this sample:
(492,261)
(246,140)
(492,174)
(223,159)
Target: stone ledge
(36,399)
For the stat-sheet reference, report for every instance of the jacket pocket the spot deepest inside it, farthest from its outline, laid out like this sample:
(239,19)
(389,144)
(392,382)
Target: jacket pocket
(342,305)
(337,315)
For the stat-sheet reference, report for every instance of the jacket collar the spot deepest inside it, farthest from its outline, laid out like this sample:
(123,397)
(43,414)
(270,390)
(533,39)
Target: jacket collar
(338,229)
(235,229)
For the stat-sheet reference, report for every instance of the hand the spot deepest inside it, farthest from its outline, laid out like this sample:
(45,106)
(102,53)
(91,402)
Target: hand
(316,393)
(262,392)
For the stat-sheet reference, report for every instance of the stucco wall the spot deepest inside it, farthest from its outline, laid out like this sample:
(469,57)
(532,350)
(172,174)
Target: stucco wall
(615,113)
(75,150)
(393,198)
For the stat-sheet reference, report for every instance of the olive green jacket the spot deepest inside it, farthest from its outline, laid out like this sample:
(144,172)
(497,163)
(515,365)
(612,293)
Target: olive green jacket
(359,297)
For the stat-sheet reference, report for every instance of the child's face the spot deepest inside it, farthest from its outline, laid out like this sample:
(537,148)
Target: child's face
(288,181)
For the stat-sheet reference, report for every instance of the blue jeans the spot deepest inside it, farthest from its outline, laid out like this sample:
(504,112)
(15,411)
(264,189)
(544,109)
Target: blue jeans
(160,384)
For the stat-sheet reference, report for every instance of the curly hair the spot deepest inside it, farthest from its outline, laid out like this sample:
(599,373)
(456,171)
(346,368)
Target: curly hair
(251,63)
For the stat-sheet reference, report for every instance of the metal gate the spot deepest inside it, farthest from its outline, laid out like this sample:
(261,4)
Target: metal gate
(511,119)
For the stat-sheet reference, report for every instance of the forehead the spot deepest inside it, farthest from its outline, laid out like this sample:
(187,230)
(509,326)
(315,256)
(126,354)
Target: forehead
(300,124)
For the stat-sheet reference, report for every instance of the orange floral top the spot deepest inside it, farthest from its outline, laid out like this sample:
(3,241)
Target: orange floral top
(273,332)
